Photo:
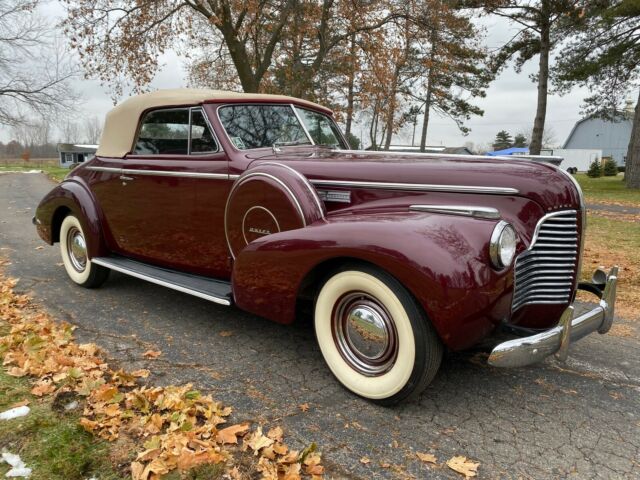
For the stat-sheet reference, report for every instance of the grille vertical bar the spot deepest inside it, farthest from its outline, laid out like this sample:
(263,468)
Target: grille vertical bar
(544,274)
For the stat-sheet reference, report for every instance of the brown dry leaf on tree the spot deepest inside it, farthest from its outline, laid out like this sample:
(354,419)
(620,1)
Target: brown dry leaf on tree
(464,466)
(176,427)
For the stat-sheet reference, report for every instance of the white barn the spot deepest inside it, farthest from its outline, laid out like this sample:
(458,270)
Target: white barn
(610,136)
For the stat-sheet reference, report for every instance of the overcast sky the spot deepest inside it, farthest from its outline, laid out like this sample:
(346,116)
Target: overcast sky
(510,102)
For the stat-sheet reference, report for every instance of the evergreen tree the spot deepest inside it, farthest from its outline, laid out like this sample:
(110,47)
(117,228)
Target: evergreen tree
(503,140)
(595,170)
(610,168)
(520,141)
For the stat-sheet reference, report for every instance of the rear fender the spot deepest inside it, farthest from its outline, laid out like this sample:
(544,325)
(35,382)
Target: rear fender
(442,260)
(73,197)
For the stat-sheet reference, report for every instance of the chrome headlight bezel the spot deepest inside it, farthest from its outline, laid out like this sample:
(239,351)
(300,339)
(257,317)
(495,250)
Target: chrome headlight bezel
(502,246)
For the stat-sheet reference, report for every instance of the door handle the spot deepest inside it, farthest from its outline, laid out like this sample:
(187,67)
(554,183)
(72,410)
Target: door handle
(124,178)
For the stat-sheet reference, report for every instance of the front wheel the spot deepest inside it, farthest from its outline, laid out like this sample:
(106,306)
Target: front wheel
(73,248)
(374,336)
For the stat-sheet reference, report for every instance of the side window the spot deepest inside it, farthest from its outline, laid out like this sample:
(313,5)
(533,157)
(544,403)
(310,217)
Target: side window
(164,132)
(202,140)
(322,129)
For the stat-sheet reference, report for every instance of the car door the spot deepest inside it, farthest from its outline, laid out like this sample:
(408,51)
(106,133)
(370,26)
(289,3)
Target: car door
(169,210)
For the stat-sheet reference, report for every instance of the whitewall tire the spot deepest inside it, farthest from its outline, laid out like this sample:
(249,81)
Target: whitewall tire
(375,338)
(73,248)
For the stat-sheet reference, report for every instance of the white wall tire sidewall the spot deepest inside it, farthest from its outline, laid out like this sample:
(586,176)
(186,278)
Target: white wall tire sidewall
(391,382)
(78,277)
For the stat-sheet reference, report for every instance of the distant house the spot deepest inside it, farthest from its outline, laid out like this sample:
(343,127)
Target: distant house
(71,154)
(610,136)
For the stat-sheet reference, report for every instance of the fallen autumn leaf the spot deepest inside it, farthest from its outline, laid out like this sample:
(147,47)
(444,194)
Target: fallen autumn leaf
(464,466)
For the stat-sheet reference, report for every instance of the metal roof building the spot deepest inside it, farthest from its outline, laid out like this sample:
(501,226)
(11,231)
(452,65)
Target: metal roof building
(610,136)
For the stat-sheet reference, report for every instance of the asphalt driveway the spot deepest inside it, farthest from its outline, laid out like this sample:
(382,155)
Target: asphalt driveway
(575,420)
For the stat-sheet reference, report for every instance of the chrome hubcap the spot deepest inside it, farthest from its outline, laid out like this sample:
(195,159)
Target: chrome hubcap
(364,333)
(77,249)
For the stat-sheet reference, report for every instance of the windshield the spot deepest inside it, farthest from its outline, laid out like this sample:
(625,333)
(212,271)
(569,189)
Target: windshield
(256,126)
(259,126)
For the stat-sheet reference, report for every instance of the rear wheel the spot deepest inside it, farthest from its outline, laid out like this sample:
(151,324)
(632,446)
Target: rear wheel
(374,336)
(73,248)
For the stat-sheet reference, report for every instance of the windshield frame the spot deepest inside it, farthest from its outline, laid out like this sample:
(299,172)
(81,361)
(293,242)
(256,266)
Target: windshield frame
(292,106)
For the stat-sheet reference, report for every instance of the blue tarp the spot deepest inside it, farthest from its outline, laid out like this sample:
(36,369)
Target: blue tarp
(508,151)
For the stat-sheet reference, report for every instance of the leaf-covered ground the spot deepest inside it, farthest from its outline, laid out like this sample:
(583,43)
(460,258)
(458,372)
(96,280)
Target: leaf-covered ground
(173,430)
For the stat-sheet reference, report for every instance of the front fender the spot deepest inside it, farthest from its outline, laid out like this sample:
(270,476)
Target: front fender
(442,260)
(71,196)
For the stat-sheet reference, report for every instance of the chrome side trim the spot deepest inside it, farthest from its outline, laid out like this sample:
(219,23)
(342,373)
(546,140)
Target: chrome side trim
(164,173)
(304,179)
(467,211)
(160,173)
(416,187)
(173,286)
(379,153)
(104,169)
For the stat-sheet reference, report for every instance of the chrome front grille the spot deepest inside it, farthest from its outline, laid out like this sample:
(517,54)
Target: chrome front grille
(544,274)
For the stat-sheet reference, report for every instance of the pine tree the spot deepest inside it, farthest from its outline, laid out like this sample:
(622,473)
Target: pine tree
(520,141)
(610,168)
(503,140)
(595,170)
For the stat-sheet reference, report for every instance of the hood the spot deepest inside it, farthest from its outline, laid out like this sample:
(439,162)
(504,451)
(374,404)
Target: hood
(545,184)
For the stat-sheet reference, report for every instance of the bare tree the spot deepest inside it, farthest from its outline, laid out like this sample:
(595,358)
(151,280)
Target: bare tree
(92,130)
(35,72)
(69,131)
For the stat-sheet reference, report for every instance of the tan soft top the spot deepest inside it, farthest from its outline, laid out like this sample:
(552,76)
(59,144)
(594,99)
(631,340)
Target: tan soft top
(121,122)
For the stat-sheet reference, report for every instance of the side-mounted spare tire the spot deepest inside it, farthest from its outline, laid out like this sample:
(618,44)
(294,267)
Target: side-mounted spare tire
(269,198)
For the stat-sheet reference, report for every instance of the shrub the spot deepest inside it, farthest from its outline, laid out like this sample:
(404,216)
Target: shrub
(610,168)
(621,169)
(595,170)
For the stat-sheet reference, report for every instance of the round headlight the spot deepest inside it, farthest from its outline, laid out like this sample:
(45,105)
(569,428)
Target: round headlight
(502,247)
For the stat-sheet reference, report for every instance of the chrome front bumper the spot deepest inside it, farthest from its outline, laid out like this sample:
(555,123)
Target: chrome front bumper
(527,350)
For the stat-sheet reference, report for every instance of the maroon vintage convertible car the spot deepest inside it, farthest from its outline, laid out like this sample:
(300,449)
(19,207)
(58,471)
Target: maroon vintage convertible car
(256,201)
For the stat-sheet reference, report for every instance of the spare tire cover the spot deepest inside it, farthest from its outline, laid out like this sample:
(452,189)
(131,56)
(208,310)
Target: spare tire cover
(266,199)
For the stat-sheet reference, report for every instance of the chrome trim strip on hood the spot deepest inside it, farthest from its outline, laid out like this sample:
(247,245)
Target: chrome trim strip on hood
(417,186)
(467,211)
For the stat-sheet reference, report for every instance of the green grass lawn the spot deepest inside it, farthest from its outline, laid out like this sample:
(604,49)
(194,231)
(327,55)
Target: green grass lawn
(607,189)
(55,172)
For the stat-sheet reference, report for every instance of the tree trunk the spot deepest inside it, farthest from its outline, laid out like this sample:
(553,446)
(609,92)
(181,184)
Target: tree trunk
(391,113)
(632,166)
(543,81)
(425,120)
(350,85)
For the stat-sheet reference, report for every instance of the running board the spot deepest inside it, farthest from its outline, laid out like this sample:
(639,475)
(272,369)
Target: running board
(217,291)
